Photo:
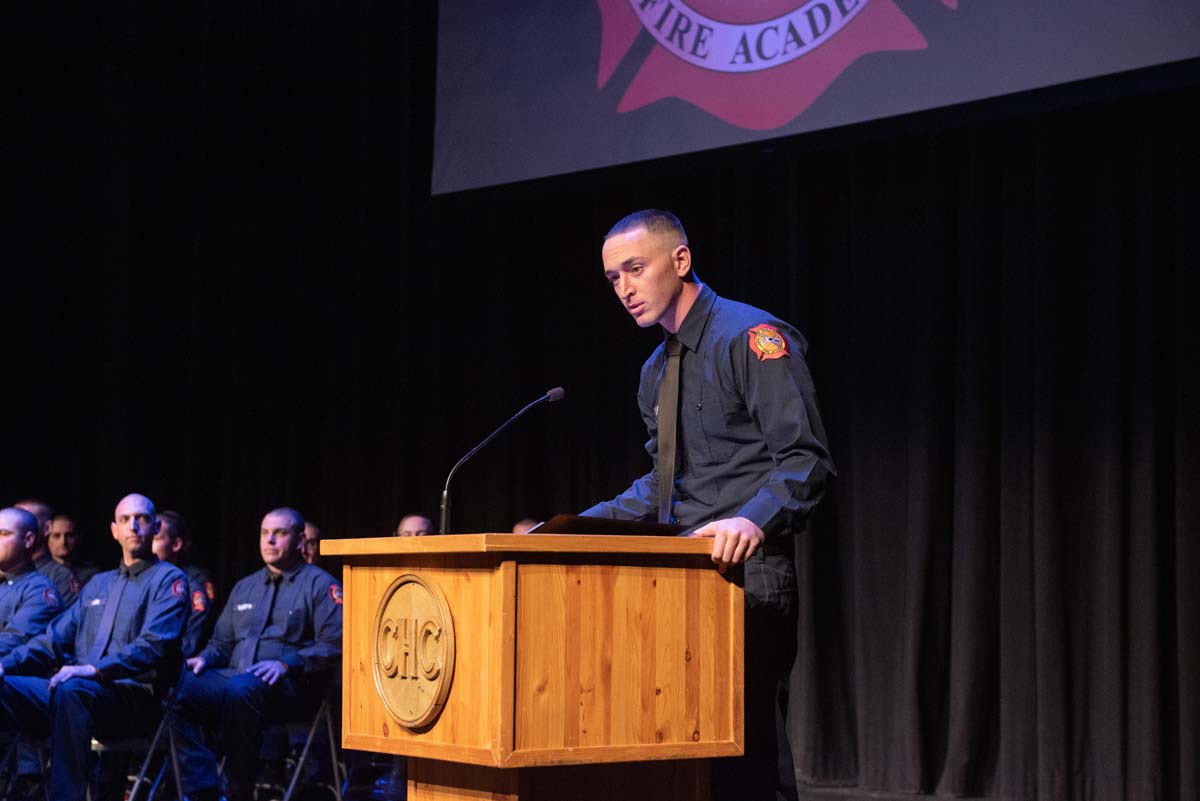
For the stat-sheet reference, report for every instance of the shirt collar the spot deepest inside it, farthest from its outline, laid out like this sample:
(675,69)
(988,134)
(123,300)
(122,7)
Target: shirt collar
(286,575)
(17,571)
(138,567)
(694,323)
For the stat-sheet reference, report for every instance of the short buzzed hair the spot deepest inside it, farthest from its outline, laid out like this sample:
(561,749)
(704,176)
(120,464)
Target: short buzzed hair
(656,221)
(178,526)
(25,520)
(40,509)
(297,519)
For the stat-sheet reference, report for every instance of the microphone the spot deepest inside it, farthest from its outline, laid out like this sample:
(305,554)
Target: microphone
(556,394)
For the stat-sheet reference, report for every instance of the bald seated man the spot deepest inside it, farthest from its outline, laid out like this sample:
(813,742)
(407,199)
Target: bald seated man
(63,578)
(28,600)
(108,660)
(277,641)
(413,525)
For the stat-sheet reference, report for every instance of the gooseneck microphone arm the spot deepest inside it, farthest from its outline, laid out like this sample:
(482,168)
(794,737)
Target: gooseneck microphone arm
(551,396)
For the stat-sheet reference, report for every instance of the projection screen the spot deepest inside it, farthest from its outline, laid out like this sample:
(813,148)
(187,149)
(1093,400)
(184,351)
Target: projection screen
(543,87)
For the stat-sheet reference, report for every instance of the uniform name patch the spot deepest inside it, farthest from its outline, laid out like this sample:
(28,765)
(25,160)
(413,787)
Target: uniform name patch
(335,592)
(244,607)
(767,342)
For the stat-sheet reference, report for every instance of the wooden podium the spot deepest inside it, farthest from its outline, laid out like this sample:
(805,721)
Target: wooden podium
(542,666)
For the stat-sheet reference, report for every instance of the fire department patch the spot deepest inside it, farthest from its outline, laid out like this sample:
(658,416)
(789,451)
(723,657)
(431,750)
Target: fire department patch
(178,589)
(199,602)
(209,591)
(335,592)
(51,598)
(767,342)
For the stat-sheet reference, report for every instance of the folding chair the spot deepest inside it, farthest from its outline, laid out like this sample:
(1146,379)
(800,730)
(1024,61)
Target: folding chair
(137,745)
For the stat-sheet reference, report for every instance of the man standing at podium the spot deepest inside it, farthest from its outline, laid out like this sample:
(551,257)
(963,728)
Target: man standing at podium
(739,456)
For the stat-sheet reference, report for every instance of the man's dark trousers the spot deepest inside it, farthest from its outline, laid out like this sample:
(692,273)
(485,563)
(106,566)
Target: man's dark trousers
(70,716)
(235,704)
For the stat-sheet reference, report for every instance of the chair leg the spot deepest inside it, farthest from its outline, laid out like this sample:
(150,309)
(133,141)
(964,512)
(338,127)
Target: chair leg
(163,724)
(175,763)
(334,764)
(312,731)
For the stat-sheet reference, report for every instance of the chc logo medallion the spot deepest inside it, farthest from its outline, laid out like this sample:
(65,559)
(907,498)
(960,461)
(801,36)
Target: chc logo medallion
(414,650)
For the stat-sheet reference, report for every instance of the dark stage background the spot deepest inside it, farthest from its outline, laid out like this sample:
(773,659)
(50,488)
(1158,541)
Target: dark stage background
(227,287)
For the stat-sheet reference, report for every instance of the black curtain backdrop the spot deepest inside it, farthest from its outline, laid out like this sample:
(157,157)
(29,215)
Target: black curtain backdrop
(227,287)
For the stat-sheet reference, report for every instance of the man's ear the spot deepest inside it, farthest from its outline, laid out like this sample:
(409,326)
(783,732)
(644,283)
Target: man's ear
(30,540)
(681,260)
(113,527)
(176,544)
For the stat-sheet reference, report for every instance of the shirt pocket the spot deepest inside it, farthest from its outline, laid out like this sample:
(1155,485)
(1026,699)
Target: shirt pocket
(294,628)
(716,418)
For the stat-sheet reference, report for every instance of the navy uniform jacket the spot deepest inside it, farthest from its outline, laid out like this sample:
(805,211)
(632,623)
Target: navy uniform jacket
(83,572)
(202,598)
(62,577)
(302,628)
(750,437)
(28,602)
(144,644)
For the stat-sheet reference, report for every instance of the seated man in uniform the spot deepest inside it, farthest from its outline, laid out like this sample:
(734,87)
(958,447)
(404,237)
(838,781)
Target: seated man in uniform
(277,641)
(64,579)
(310,549)
(106,661)
(28,600)
(64,544)
(171,545)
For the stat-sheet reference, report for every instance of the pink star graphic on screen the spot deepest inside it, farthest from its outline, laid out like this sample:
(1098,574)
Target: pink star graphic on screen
(757,64)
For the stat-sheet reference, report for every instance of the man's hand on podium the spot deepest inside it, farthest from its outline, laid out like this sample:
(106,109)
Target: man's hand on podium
(735,540)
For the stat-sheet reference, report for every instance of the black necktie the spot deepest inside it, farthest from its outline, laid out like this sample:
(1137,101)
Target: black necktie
(273,579)
(107,619)
(668,416)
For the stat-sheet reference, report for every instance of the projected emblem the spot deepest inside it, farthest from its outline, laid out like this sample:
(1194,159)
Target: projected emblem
(414,650)
(755,65)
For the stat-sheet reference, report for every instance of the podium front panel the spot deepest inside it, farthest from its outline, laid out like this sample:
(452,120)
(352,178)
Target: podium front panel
(596,650)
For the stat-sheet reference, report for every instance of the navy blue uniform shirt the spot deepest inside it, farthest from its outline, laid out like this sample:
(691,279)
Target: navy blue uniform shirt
(28,602)
(750,439)
(144,643)
(202,598)
(295,618)
(62,577)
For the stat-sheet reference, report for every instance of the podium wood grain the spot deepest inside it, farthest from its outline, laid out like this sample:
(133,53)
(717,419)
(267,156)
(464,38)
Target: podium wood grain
(569,650)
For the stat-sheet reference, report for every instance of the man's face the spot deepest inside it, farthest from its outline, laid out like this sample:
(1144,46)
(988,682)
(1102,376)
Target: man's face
(415,526)
(647,274)
(167,544)
(279,541)
(310,548)
(64,540)
(16,546)
(134,526)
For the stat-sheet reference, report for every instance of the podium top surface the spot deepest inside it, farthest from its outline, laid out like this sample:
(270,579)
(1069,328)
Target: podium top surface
(516,543)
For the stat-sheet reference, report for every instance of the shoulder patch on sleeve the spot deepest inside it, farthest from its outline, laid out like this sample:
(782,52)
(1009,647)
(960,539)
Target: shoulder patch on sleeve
(335,593)
(51,598)
(199,602)
(209,591)
(178,589)
(768,342)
